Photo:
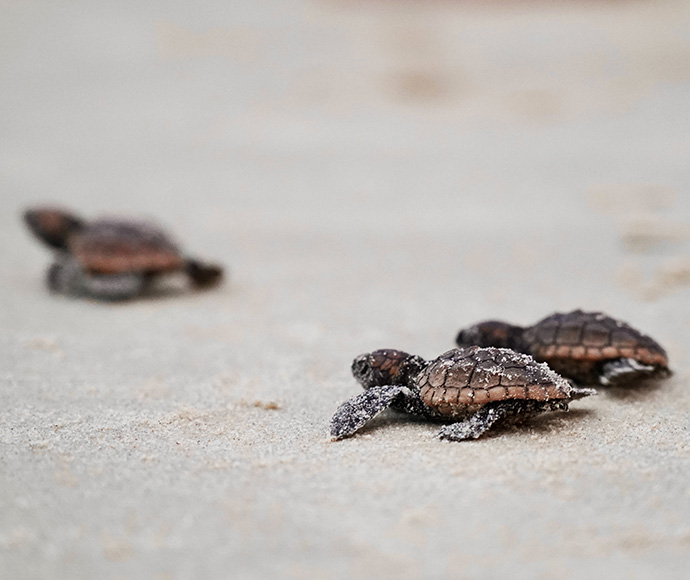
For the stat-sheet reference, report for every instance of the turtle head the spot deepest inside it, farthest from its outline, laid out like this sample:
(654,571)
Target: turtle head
(53,226)
(490,333)
(386,367)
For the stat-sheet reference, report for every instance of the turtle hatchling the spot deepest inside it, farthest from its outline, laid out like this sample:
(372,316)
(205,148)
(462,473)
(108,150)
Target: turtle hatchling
(588,347)
(111,259)
(471,388)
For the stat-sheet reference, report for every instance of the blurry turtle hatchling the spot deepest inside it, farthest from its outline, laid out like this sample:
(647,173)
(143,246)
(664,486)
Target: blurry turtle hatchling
(472,388)
(588,347)
(111,259)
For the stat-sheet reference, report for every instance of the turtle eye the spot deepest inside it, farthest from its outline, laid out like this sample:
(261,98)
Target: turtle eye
(360,366)
(361,369)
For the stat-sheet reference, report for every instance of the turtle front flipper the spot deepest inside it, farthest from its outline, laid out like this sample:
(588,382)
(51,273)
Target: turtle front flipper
(623,371)
(352,415)
(66,276)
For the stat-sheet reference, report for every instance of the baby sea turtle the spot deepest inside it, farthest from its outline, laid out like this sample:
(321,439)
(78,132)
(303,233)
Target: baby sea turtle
(472,387)
(588,347)
(110,259)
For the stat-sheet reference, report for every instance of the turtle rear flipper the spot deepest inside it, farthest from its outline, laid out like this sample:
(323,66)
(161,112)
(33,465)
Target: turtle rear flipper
(66,276)
(625,370)
(352,415)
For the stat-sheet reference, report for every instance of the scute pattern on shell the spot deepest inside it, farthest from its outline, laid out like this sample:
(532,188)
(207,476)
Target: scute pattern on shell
(468,378)
(590,336)
(113,246)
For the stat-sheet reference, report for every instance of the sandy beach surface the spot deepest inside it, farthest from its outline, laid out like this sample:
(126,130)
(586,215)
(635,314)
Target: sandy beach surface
(373,174)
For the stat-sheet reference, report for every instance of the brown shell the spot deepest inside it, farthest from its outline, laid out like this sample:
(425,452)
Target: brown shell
(112,246)
(574,343)
(464,379)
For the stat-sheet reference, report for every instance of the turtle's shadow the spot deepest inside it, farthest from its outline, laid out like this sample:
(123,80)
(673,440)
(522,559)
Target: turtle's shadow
(162,292)
(633,393)
(149,295)
(544,423)
(541,424)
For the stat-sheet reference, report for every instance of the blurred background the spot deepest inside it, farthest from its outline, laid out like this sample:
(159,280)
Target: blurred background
(373,174)
(514,133)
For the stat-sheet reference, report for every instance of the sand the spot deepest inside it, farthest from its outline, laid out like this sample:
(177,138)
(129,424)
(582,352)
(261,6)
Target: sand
(373,175)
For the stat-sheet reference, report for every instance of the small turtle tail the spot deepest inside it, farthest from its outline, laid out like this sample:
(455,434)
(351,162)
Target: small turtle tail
(204,275)
(581,392)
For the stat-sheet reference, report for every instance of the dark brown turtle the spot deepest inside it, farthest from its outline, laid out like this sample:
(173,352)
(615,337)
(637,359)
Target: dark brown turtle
(589,347)
(110,259)
(473,388)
